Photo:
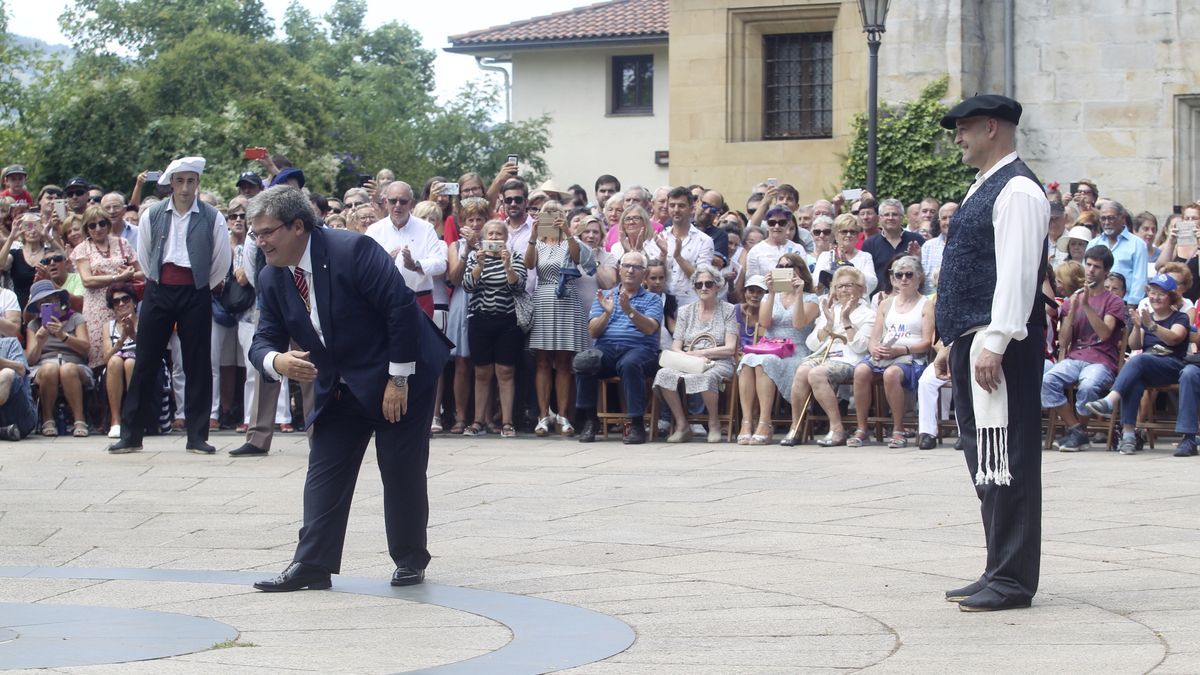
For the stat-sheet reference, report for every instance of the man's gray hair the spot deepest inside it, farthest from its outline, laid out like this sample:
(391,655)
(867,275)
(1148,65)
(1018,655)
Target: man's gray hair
(284,202)
(641,256)
(706,268)
(643,195)
(892,201)
(823,220)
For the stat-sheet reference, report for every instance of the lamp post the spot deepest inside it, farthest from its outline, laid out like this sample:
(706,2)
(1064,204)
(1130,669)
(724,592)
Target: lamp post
(874,15)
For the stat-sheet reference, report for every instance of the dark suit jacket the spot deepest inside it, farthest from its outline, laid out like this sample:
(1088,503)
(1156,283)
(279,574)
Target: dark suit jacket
(369,317)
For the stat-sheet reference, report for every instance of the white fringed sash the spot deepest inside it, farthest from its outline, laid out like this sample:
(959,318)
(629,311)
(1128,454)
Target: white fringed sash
(991,426)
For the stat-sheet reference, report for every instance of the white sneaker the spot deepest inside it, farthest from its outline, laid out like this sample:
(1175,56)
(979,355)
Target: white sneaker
(664,427)
(115,431)
(698,429)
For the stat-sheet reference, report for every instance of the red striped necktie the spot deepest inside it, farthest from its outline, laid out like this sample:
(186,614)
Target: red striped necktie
(302,287)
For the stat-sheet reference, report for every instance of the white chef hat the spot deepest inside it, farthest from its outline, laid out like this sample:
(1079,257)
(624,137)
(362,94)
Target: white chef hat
(193,164)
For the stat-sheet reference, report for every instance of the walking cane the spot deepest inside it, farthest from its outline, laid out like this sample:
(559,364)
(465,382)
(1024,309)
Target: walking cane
(818,358)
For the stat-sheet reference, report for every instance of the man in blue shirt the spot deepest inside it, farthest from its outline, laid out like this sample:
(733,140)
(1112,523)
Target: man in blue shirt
(18,416)
(624,325)
(1129,251)
(892,239)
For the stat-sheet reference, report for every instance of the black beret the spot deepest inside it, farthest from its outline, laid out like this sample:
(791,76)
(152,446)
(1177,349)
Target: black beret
(985,105)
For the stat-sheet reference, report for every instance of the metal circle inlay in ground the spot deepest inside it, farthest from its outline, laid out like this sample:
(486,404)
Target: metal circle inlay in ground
(54,636)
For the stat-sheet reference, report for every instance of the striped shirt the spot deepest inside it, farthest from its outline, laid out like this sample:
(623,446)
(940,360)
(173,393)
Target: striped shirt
(491,294)
(621,330)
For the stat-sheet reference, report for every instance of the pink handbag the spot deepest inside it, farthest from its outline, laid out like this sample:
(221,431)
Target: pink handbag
(781,347)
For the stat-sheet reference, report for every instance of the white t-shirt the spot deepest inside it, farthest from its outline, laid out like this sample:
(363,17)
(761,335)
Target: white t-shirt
(8,301)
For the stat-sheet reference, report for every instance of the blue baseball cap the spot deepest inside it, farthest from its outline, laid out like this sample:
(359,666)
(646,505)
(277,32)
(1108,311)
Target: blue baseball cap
(1163,281)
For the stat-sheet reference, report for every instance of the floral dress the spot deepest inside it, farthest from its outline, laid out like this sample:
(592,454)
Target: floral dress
(95,308)
(689,326)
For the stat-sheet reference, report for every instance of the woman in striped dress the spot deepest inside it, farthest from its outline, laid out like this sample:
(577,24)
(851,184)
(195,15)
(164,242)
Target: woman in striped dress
(559,330)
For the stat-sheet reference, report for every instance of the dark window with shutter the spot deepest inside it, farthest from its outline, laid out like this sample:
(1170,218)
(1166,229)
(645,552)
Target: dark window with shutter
(633,85)
(798,86)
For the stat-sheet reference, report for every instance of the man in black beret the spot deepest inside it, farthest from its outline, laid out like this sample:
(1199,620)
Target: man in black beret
(990,318)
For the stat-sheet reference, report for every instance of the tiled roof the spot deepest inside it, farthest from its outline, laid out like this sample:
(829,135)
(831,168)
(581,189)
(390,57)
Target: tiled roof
(613,19)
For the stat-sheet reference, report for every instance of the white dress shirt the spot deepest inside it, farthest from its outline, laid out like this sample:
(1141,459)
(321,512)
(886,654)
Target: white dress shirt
(175,249)
(427,249)
(305,266)
(1021,220)
(697,248)
(862,261)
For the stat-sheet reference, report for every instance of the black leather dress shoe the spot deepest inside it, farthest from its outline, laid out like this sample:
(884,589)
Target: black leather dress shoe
(588,433)
(407,576)
(960,594)
(635,433)
(10,433)
(988,600)
(200,448)
(297,576)
(958,444)
(124,446)
(247,450)
(926,442)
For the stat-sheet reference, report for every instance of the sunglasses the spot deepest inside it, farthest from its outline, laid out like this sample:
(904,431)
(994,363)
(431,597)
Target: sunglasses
(821,233)
(709,207)
(76,193)
(783,266)
(53,259)
(94,200)
(904,275)
(704,284)
(121,299)
(514,200)
(235,216)
(99,224)
(777,223)
(855,232)
(54,193)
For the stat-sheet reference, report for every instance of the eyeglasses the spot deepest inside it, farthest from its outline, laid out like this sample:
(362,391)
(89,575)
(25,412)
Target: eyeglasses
(76,193)
(632,219)
(854,232)
(398,200)
(354,204)
(709,207)
(843,287)
(53,193)
(705,284)
(783,266)
(821,233)
(514,200)
(470,191)
(264,233)
(632,268)
(777,223)
(237,216)
(1109,219)
(98,224)
(53,259)
(904,275)
(122,299)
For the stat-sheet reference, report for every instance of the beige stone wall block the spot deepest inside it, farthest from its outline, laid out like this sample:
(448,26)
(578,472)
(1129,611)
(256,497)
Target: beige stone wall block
(697,19)
(1121,115)
(1113,143)
(709,72)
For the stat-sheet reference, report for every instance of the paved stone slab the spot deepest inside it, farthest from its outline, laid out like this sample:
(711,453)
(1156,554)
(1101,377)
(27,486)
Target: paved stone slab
(723,559)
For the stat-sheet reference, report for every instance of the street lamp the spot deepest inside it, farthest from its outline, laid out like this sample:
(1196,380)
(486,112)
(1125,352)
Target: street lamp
(874,16)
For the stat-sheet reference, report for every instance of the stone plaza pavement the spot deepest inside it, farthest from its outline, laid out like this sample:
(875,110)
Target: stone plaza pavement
(721,558)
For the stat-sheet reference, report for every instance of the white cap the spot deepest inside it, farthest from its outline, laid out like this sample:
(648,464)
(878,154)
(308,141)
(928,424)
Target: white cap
(193,164)
(757,280)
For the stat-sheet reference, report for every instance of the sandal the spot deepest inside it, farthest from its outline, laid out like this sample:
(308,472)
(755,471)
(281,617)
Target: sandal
(898,441)
(564,426)
(49,428)
(744,435)
(474,430)
(79,429)
(286,429)
(762,439)
(542,428)
(507,431)
(857,439)
(833,438)
(436,426)
(457,429)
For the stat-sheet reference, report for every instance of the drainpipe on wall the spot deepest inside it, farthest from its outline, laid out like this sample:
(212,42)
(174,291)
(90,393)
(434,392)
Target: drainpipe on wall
(1010,54)
(488,63)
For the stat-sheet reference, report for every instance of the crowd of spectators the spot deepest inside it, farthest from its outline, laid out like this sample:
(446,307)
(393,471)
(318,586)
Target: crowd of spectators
(686,299)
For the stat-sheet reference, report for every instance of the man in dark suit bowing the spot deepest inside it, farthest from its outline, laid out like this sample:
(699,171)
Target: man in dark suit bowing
(375,357)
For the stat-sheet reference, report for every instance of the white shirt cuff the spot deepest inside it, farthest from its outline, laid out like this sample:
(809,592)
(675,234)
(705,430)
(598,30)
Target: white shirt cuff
(402,369)
(269,365)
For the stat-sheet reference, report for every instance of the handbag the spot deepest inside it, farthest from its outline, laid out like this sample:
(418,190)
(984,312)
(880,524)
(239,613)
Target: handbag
(781,347)
(684,362)
(525,310)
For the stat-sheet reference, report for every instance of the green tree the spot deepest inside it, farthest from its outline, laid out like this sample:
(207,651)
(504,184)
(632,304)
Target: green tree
(917,158)
(147,27)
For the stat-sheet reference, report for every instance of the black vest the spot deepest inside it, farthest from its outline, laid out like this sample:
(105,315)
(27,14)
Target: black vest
(967,281)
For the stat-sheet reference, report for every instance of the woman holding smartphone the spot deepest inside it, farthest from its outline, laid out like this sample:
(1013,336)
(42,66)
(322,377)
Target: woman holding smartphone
(494,277)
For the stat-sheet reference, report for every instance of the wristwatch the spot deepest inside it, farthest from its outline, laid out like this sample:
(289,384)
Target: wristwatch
(630,314)
(400,380)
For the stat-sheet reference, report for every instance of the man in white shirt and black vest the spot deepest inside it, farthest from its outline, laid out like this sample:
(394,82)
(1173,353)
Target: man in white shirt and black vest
(989,316)
(183,246)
